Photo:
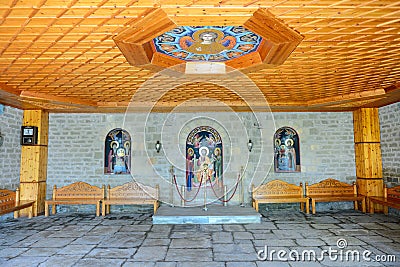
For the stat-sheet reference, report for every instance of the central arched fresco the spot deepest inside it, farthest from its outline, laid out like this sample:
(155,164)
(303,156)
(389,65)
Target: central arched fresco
(207,43)
(204,156)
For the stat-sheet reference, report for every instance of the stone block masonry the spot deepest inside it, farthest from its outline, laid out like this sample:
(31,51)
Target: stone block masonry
(10,152)
(76,147)
(389,117)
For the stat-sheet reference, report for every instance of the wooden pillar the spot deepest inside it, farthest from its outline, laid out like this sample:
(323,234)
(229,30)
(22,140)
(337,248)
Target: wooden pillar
(368,151)
(33,173)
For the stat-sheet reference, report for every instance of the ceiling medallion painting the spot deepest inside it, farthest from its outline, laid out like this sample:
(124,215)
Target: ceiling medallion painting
(155,41)
(207,43)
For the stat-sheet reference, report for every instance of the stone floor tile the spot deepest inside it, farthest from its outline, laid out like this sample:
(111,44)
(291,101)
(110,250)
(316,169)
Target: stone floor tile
(375,239)
(60,260)
(156,253)
(272,264)
(168,264)
(242,235)
(201,264)
(233,227)
(260,226)
(241,264)
(102,230)
(222,237)
(88,239)
(9,252)
(211,227)
(131,263)
(218,256)
(122,241)
(55,242)
(111,253)
(195,255)
(287,234)
(24,261)
(76,249)
(156,242)
(195,242)
(40,252)
(99,262)
(310,242)
(135,228)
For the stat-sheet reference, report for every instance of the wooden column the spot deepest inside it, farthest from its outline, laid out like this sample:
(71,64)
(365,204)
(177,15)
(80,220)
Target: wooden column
(368,151)
(33,173)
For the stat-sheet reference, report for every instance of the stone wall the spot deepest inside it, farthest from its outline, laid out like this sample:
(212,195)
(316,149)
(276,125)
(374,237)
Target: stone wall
(389,117)
(76,147)
(10,152)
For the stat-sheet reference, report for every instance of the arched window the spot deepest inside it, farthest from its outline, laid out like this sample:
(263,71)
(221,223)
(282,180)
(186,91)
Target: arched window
(286,150)
(117,156)
(204,157)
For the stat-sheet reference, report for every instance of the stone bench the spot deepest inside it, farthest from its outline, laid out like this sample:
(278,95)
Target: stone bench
(331,190)
(78,193)
(391,198)
(10,202)
(278,191)
(131,193)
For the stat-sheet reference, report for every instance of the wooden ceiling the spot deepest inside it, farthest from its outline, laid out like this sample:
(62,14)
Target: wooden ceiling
(60,55)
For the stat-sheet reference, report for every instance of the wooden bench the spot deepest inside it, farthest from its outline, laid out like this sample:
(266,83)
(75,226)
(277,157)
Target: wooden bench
(391,198)
(79,193)
(10,202)
(278,191)
(331,190)
(131,193)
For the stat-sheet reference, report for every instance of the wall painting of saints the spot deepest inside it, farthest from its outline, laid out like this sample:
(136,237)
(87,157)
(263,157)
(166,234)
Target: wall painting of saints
(286,150)
(117,156)
(204,157)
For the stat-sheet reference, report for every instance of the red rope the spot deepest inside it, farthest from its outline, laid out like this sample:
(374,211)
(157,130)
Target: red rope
(180,195)
(234,191)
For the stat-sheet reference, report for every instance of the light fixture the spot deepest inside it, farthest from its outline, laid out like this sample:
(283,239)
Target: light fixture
(1,139)
(250,145)
(158,146)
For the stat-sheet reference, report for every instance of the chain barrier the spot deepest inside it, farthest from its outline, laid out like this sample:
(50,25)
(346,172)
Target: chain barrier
(180,194)
(234,191)
(212,187)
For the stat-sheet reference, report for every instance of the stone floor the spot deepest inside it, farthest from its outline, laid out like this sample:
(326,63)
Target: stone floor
(290,238)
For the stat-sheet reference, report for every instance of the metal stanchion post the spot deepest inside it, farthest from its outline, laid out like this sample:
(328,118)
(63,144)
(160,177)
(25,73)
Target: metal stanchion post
(225,196)
(171,193)
(183,195)
(204,179)
(241,187)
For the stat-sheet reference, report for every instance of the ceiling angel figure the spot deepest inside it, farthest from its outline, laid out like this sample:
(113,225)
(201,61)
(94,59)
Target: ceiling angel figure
(207,41)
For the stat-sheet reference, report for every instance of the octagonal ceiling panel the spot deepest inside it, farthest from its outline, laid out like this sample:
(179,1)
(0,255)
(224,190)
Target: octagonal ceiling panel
(156,41)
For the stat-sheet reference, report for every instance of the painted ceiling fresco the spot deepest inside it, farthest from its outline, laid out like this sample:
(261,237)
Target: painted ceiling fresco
(207,43)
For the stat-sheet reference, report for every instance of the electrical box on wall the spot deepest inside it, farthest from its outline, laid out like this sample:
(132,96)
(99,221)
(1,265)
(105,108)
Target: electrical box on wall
(29,135)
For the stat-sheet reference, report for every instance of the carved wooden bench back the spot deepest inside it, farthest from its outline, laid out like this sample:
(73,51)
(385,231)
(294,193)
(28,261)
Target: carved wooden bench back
(7,199)
(133,190)
(331,188)
(78,190)
(278,188)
